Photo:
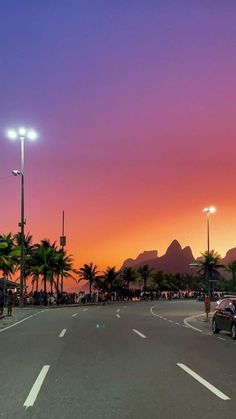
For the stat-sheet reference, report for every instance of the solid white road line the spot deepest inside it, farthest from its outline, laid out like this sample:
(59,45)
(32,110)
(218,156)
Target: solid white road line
(85,309)
(118,316)
(75,314)
(36,387)
(221,338)
(187,319)
(139,333)
(205,383)
(20,321)
(63,332)
(154,314)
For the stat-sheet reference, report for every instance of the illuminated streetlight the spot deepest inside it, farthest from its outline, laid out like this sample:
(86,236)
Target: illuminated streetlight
(21,134)
(208,211)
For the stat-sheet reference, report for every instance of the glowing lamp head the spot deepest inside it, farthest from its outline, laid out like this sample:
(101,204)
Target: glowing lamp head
(32,135)
(22,131)
(12,134)
(210,210)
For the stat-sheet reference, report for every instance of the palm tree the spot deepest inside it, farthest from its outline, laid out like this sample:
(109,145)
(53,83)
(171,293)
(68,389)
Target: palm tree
(129,275)
(44,261)
(209,267)
(109,276)
(28,249)
(162,281)
(231,267)
(88,273)
(35,274)
(64,266)
(144,273)
(9,256)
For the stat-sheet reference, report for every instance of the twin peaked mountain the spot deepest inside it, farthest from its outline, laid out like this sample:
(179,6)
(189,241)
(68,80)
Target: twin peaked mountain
(175,260)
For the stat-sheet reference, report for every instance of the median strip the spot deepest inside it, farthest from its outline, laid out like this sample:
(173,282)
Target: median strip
(29,402)
(139,333)
(205,383)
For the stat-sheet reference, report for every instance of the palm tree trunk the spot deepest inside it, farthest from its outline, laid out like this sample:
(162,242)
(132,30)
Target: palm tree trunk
(90,289)
(5,287)
(45,290)
(57,284)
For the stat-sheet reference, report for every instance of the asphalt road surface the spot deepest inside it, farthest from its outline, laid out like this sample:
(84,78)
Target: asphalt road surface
(128,360)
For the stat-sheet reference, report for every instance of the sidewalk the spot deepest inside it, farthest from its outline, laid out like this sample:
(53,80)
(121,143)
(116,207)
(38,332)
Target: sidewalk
(17,315)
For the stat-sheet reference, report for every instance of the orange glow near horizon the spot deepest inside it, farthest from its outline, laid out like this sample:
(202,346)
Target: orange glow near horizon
(135,111)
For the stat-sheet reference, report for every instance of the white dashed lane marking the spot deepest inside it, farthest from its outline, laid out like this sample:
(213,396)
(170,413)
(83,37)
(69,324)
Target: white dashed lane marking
(29,402)
(139,333)
(205,383)
(62,334)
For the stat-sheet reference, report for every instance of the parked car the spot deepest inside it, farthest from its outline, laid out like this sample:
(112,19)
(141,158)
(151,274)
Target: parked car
(224,317)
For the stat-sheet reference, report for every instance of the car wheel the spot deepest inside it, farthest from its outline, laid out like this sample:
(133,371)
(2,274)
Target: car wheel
(214,327)
(233,331)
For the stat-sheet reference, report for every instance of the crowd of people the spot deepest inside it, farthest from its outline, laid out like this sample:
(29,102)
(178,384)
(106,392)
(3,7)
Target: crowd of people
(62,298)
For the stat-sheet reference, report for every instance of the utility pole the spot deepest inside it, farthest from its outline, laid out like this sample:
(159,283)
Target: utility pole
(62,244)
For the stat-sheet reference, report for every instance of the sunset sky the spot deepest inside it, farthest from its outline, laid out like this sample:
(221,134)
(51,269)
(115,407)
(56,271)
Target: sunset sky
(135,105)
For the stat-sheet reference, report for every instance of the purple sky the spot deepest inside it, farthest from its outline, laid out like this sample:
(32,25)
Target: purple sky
(135,105)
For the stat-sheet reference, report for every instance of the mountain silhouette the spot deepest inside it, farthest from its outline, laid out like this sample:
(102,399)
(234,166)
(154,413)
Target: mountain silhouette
(230,255)
(175,260)
(141,259)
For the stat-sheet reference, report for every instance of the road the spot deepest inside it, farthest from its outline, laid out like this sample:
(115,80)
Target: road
(128,360)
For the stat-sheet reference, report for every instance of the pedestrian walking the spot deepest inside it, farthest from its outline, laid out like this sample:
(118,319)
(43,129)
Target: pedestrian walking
(1,302)
(10,299)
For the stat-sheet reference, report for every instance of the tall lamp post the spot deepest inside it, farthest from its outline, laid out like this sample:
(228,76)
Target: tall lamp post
(208,211)
(21,134)
(62,244)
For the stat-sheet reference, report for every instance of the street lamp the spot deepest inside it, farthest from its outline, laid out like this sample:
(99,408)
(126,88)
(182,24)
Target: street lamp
(21,134)
(208,211)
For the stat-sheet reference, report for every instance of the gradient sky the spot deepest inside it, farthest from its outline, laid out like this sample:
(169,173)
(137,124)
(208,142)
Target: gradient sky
(135,103)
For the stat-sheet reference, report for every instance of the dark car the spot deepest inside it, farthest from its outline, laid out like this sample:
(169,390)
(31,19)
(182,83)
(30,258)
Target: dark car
(224,317)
